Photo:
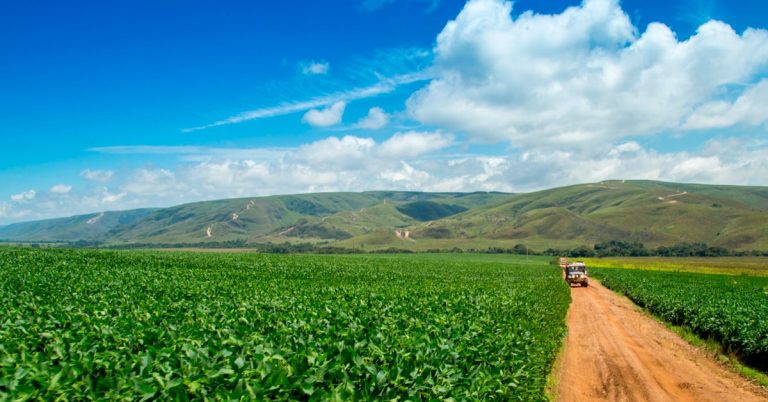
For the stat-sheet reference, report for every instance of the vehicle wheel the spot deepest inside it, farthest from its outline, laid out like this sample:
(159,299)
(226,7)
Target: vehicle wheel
(585,284)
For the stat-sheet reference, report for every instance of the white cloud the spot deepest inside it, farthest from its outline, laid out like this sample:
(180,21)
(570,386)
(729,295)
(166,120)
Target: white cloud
(413,143)
(24,196)
(328,116)
(60,189)
(315,68)
(405,161)
(583,76)
(336,151)
(747,109)
(151,182)
(377,118)
(111,198)
(406,177)
(384,86)
(101,176)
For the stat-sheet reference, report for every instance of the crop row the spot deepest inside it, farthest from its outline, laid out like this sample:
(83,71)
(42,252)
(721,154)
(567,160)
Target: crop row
(732,310)
(140,325)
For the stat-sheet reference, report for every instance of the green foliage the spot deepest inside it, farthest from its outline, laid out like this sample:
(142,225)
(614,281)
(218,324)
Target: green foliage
(615,247)
(437,233)
(733,310)
(693,250)
(80,324)
(305,207)
(429,211)
(304,228)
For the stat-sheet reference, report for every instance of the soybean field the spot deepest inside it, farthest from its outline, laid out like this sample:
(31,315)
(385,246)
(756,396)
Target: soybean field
(80,324)
(733,310)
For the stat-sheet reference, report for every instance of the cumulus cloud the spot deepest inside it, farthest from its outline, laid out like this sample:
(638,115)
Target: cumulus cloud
(328,116)
(111,198)
(585,75)
(571,94)
(748,109)
(151,181)
(406,176)
(60,189)
(405,161)
(333,151)
(101,176)
(377,118)
(24,196)
(348,163)
(414,143)
(315,67)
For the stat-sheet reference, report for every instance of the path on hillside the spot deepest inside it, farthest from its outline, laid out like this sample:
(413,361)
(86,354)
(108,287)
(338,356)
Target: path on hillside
(616,353)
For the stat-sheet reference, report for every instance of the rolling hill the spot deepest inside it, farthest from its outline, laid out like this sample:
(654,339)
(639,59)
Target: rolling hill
(654,213)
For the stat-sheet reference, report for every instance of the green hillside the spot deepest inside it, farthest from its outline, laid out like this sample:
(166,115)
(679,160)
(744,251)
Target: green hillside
(654,213)
(89,227)
(292,218)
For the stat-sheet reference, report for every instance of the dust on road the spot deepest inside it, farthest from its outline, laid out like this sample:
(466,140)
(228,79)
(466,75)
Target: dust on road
(616,353)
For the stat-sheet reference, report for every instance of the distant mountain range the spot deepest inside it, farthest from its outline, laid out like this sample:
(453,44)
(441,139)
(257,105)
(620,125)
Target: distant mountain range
(654,213)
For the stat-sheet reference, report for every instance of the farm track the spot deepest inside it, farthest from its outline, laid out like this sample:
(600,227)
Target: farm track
(616,353)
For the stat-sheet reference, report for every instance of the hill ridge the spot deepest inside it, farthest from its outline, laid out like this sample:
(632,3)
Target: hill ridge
(653,212)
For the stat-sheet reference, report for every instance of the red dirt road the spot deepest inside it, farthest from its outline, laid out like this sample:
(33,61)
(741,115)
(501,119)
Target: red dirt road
(615,353)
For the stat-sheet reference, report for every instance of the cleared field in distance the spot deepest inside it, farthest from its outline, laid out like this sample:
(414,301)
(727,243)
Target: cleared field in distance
(757,266)
(105,324)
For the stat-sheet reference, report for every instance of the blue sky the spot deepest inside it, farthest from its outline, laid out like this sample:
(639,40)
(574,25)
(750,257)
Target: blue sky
(115,105)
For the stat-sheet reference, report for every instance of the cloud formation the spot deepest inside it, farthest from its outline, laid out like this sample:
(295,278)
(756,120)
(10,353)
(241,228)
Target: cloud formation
(384,86)
(328,116)
(421,161)
(60,189)
(565,98)
(101,176)
(24,196)
(586,75)
(414,143)
(315,68)
(377,118)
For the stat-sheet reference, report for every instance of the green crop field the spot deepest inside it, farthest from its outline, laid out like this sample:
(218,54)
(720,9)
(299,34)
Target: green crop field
(146,325)
(755,266)
(732,310)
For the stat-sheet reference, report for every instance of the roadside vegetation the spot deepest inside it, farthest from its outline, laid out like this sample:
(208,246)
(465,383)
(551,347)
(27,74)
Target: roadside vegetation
(731,310)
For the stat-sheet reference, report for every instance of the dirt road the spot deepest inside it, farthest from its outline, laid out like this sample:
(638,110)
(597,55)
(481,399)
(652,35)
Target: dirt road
(615,353)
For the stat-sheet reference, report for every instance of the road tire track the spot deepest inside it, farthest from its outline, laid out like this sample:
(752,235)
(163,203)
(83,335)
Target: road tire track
(614,352)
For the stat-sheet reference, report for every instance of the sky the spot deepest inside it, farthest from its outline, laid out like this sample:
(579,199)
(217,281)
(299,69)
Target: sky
(119,105)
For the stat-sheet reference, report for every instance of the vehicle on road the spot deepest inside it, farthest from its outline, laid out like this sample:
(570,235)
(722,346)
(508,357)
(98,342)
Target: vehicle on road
(576,273)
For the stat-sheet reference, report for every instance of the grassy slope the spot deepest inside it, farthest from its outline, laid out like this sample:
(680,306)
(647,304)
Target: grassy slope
(654,213)
(320,216)
(82,227)
(730,216)
(256,217)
